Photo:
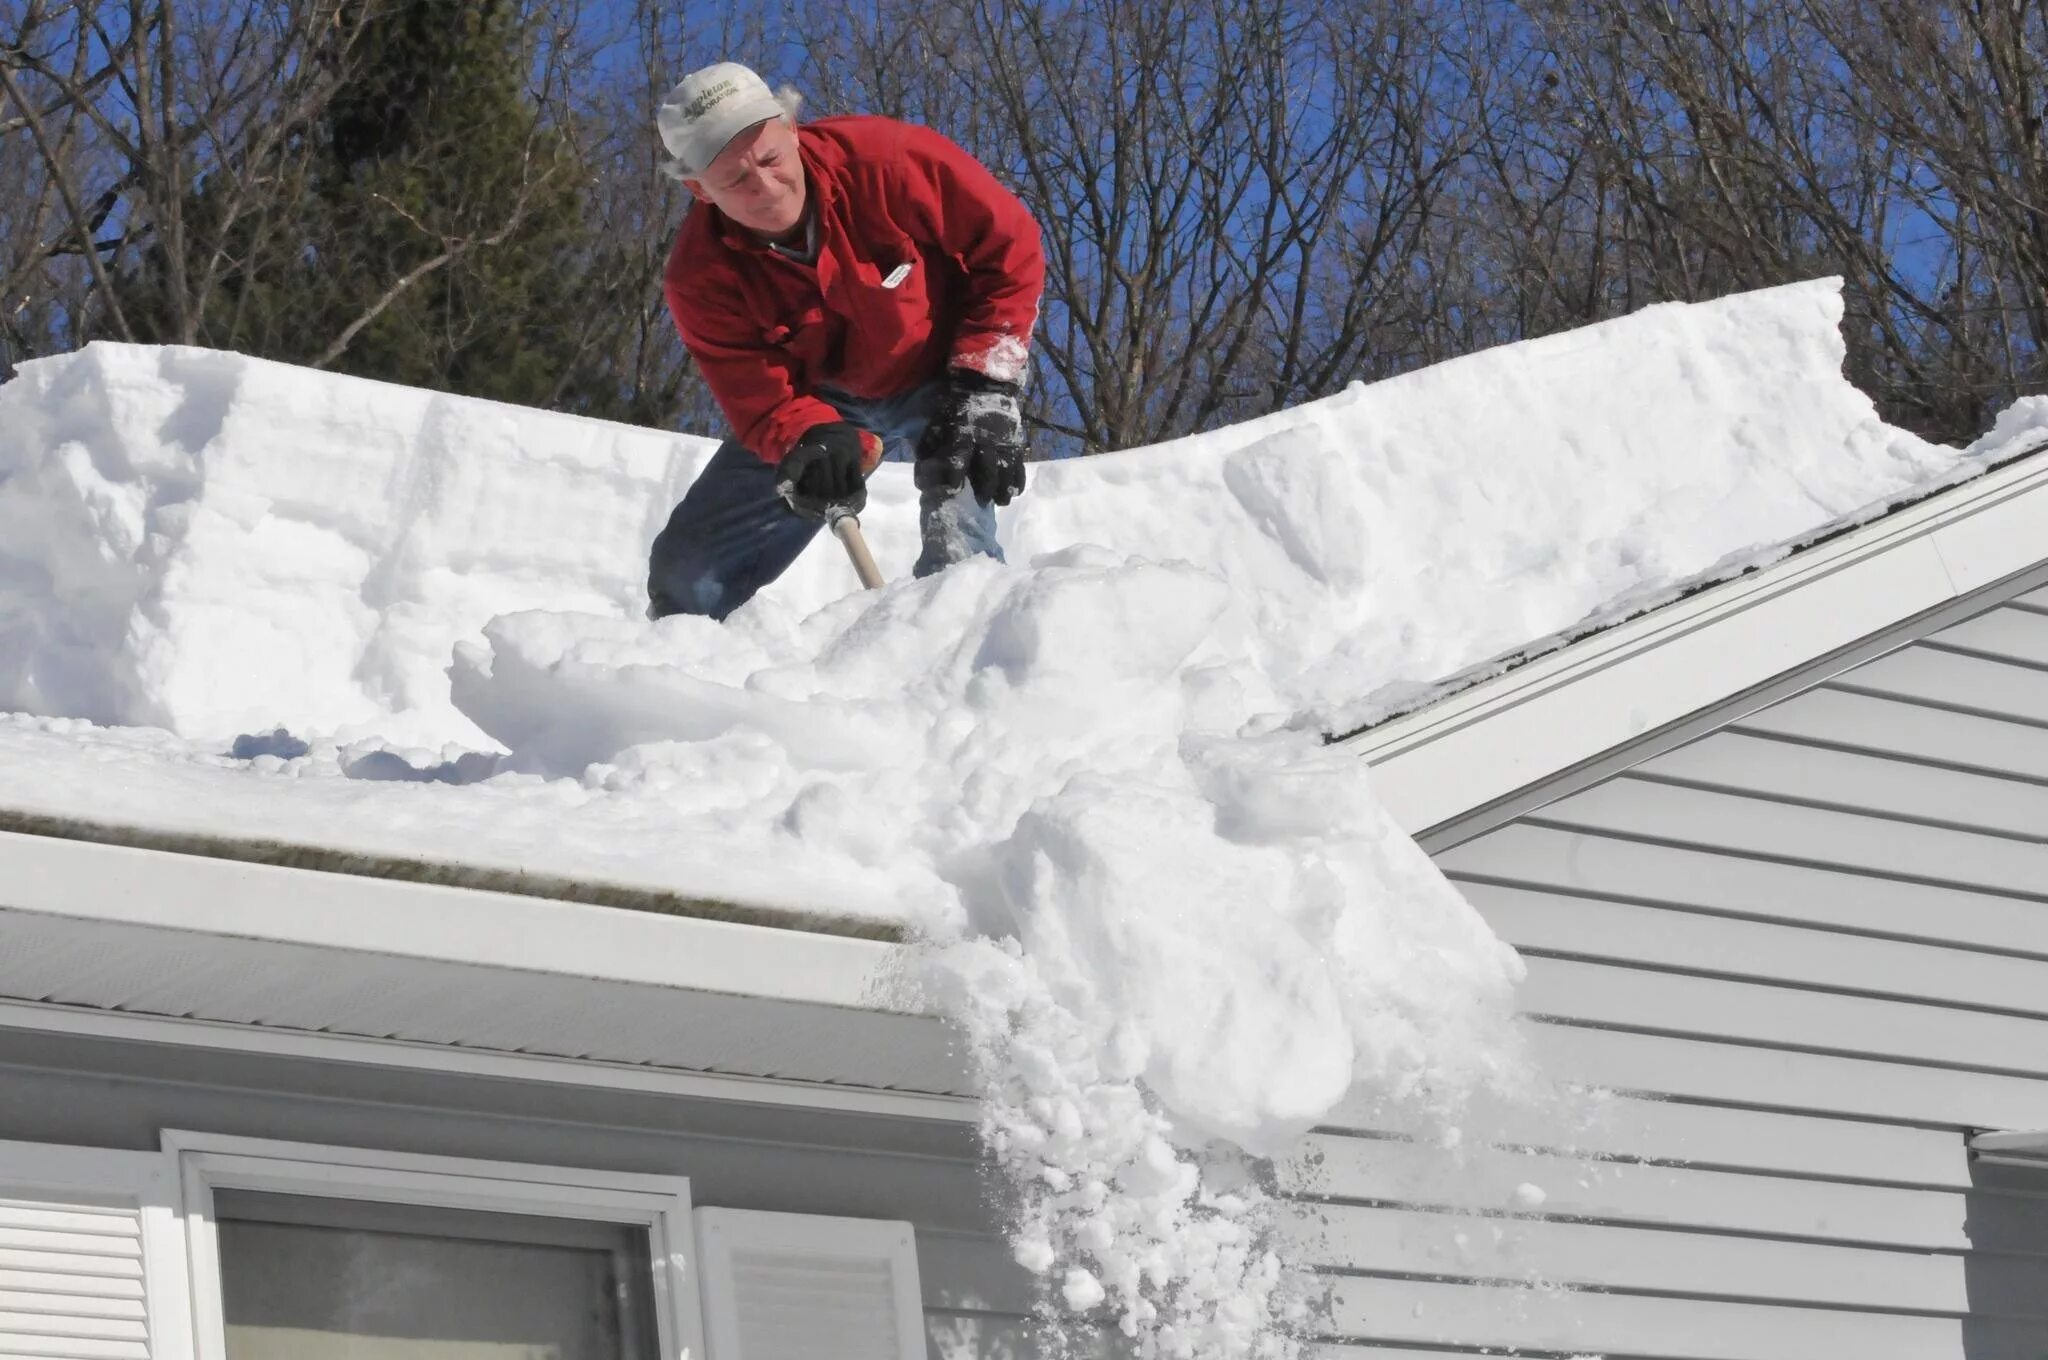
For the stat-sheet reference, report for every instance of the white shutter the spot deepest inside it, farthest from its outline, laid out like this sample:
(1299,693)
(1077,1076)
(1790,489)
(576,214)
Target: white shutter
(78,1229)
(800,1286)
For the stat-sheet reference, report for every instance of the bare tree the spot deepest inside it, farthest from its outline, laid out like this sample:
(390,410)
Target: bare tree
(632,210)
(1960,87)
(48,153)
(133,108)
(1246,203)
(1229,190)
(1689,148)
(172,150)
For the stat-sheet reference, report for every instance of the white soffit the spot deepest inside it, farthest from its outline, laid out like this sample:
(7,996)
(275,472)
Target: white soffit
(511,1067)
(1560,710)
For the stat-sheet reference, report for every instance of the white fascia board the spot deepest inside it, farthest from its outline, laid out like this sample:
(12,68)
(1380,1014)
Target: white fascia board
(165,890)
(1566,708)
(2035,1142)
(2029,1150)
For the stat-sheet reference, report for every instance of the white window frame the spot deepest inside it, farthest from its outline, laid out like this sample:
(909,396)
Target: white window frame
(208,1162)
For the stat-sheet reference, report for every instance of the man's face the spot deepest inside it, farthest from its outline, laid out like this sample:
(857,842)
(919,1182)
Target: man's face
(758,180)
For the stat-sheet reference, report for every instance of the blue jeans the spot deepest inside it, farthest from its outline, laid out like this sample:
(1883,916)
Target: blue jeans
(732,534)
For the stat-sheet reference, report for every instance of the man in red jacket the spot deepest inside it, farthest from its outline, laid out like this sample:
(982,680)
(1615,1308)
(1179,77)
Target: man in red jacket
(852,289)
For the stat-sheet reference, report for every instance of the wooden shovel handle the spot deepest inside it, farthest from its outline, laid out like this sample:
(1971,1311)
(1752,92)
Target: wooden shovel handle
(847,527)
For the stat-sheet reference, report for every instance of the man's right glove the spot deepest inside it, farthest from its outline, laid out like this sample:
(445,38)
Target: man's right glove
(826,470)
(976,438)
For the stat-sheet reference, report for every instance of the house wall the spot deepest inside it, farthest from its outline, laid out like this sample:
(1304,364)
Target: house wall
(98,1093)
(1810,949)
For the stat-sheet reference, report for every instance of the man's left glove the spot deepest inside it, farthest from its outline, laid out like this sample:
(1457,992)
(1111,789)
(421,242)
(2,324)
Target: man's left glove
(825,471)
(976,438)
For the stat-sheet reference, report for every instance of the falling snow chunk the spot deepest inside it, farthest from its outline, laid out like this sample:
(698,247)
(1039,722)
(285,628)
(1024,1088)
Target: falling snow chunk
(1082,1291)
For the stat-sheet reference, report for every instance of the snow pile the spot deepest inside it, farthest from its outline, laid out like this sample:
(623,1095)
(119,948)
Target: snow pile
(1176,928)
(1296,947)
(217,545)
(1162,920)
(2019,425)
(1106,1203)
(1398,533)
(210,543)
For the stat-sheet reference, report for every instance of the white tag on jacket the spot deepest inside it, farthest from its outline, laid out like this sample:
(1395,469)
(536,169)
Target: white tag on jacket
(896,276)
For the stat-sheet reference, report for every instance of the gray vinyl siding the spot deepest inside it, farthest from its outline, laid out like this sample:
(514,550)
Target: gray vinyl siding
(1809,952)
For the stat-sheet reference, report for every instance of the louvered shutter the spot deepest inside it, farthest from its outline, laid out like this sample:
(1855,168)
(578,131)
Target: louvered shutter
(801,1287)
(75,1239)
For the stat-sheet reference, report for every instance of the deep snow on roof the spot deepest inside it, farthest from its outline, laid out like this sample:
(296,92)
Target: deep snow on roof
(2025,419)
(205,547)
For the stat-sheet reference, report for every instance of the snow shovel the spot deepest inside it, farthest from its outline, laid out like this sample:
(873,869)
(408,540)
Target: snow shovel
(845,526)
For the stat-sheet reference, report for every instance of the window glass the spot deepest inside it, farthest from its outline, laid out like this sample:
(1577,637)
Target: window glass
(310,1278)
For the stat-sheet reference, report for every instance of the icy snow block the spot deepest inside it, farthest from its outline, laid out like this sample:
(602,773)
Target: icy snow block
(215,544)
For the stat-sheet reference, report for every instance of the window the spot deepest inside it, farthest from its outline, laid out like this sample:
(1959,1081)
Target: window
(308,1252)
(304,1278)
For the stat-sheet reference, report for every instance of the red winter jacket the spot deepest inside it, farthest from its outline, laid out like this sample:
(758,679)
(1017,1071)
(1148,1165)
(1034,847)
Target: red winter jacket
(767,332)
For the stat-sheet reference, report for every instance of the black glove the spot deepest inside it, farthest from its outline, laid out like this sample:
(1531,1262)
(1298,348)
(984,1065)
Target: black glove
(823,472)
(976,437)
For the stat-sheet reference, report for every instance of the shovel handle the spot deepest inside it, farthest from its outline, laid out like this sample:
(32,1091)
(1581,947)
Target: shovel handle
(847,527)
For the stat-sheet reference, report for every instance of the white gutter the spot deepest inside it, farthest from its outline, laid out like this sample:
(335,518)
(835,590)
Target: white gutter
(1555,712)
(110,883)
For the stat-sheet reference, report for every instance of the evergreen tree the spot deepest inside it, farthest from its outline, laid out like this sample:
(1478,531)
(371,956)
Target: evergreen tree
(429,232)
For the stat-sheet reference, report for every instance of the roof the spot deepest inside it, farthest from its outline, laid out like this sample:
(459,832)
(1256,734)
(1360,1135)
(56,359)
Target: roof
(1472,749)
(1390,534)
(397,952)
(102,922)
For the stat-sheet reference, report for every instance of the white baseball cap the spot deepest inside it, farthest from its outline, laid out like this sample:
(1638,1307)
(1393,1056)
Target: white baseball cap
(709,108)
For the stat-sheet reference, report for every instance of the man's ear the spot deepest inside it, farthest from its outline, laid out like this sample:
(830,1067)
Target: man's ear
(695,186)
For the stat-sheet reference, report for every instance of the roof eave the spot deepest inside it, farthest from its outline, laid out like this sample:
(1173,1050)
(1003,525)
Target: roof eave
(97,934)
(145,886)
(1558,712)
